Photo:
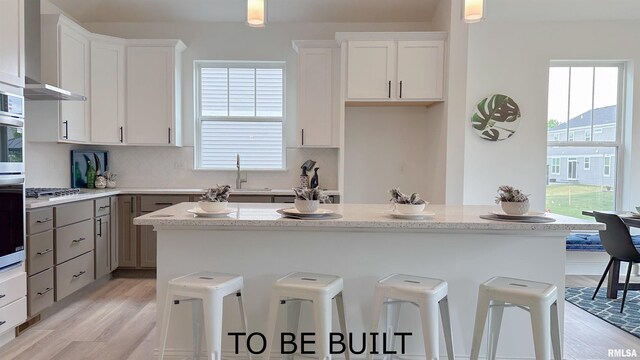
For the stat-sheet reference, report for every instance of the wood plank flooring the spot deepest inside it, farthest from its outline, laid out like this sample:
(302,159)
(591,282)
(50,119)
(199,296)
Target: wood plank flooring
(117,322)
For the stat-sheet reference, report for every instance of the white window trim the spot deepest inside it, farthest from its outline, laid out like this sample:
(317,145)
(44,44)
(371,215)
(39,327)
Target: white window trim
(197,66)
(587,163)
(620,117)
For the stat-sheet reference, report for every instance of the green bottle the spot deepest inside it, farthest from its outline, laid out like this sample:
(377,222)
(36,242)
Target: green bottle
(91,175)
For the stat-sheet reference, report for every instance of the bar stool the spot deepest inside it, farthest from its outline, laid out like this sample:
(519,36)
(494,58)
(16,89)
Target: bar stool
(319,289)
(539,299)
(206,291)
(425,293)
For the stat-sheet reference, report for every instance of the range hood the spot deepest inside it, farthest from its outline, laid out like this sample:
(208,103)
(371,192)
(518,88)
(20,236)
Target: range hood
(34,89)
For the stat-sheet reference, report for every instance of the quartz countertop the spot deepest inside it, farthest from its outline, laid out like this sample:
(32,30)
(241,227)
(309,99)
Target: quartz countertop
(354,216)
(88,194)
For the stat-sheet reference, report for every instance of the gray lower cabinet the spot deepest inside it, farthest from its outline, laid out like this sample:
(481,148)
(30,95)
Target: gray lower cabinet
(68,246)
(127,234)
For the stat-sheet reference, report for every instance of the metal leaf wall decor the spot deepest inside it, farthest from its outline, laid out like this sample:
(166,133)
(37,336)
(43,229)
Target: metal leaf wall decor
(496,117)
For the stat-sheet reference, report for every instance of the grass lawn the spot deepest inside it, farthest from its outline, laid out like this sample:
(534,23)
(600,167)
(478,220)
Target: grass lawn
(571,199)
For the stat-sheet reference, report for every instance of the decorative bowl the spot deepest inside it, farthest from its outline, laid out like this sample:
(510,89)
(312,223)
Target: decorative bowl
(515,208)
(409,209)
(212,206)
(111,184)
(307,206)
(638,209)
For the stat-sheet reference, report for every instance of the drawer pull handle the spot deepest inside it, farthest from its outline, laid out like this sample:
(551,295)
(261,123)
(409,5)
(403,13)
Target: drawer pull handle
(46,251)
(45,220)
(45,291)
(2,323)
(79,274)
(78,240)
(164,203)
(2,295)
(104,207)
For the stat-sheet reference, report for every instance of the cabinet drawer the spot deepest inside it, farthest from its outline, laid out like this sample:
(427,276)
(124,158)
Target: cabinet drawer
(73,213)
(40,249)
(13,314)
(250,198)
(39,221)
(151,203)
(40,291)
(13,288)
(73,275)
(74,240)
(103,206)
(284,199)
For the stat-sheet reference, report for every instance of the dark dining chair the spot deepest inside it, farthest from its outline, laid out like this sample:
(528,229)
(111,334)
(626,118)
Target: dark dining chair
(617,242)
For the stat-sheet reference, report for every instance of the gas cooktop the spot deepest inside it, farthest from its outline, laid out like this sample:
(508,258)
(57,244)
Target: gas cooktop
(55,192)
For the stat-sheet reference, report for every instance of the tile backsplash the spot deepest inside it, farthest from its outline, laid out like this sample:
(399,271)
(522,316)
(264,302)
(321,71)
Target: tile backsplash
(48,164)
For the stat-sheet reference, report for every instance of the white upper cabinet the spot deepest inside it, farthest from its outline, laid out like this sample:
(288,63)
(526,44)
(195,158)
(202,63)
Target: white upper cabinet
(420,70)
(107,91)
(370,72)
(153,96)
(394,67)
(65,64)
(12,42)
(318,93)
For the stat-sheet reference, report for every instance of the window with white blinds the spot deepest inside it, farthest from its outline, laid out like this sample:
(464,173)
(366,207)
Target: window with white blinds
(240,111)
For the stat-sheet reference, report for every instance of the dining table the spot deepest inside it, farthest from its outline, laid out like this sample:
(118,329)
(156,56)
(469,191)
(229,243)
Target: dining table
(613,280)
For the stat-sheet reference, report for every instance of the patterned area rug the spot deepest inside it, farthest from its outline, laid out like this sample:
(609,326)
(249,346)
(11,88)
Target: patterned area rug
(609,309)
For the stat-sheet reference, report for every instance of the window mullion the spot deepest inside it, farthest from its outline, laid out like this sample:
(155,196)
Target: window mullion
(569,103)
(593,99)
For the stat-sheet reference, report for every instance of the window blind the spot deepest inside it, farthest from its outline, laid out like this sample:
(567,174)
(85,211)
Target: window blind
(241,112)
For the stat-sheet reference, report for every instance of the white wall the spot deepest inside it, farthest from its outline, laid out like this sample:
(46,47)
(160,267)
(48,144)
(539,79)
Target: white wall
(387,147)
(513,59)
(213,41)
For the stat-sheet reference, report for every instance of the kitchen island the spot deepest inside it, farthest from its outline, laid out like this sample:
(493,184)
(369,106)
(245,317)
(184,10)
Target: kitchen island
(363,246)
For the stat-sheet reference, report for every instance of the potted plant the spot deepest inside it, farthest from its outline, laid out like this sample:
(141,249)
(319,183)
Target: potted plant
(406,204)
(308,199)
(513,201)
(215,199)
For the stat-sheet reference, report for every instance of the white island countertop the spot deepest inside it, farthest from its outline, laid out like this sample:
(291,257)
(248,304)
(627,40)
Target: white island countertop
(89,194)
(361,217)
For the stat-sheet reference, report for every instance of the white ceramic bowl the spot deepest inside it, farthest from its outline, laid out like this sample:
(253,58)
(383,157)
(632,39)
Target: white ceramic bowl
(638,209)
(212,206)
(307,206)
(409,209)
(515,208)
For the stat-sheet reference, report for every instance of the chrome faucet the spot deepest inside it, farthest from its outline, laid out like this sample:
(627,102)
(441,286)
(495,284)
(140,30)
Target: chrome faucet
(239,181)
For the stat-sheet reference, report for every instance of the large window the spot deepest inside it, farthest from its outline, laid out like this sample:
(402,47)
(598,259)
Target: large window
(239,111)
(583,136)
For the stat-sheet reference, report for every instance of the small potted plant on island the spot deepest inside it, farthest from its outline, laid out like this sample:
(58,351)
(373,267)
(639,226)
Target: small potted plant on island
(406,204)
(216,199)
(308,199)
(513,201)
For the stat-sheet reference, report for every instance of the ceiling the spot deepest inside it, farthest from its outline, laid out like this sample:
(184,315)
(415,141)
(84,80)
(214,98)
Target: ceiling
(234,10)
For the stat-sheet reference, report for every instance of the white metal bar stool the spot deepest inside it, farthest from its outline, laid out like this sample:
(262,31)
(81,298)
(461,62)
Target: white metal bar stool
(206,291)
(539,299)
(425,293)
(319,289)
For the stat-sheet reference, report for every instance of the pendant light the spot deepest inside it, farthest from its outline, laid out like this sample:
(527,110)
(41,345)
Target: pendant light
(473,10)
(256,13)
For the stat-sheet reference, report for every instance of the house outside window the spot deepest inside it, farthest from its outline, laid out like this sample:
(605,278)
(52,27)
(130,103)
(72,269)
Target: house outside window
(239,112)
(584,98)
(555,166)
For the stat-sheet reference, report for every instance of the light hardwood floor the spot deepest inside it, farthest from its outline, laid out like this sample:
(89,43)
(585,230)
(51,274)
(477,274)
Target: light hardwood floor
(117,321)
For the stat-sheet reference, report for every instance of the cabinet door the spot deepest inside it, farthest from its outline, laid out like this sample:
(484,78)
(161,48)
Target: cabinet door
(113,241)
(371,70)
(74,76)
(103,234)
(315,97)
(12,42)
(420,69)
(148,247)
(150,95)
(127,235)
(107,92)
